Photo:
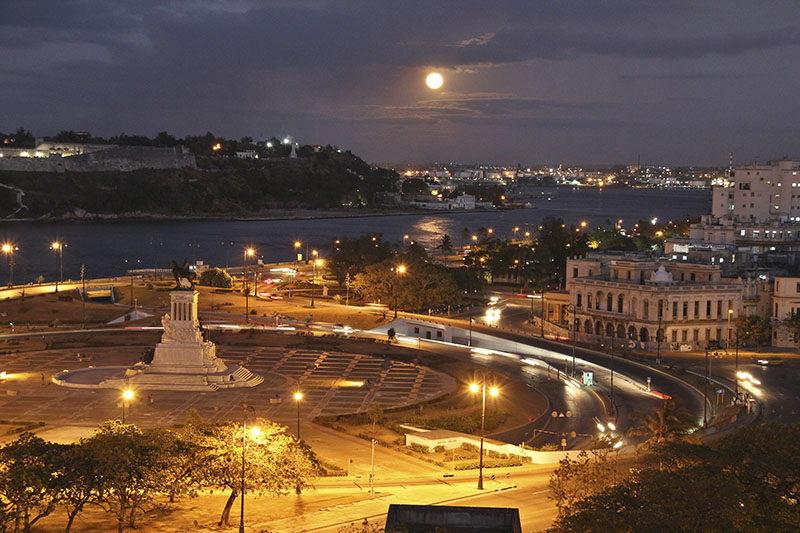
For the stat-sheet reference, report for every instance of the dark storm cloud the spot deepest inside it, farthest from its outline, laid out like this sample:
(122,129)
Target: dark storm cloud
(318,68)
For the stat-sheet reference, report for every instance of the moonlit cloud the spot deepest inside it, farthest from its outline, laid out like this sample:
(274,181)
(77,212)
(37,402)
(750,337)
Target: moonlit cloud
(570,81)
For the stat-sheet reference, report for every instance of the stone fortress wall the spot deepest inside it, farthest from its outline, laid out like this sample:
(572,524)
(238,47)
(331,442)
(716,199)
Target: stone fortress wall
(99,159)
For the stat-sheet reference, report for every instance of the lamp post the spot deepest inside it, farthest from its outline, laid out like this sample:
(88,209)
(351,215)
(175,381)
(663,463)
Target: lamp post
(737,362)
(255,432)
(127,395)
(728,339)
(8,249)
(58,247)
(493,392)
(574,331)
(297,397)
(543,312)
(705,394)
(658,338)
(317,263)
(399,270)
(249,252)
(612,372)
(297,245)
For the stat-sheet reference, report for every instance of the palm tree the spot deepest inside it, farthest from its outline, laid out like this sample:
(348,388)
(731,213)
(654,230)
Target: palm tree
(668,423)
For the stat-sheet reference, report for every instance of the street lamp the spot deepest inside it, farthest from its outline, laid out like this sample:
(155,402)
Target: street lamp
(248,252)
(317,263)
(297,397)
(255,432)
(399,270)
(574,331)
(127,395)
(297,245)
(492,392)
(728,340)
(8,249)
(58,247)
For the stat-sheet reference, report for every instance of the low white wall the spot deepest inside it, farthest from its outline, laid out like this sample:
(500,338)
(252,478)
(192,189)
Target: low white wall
(455,441)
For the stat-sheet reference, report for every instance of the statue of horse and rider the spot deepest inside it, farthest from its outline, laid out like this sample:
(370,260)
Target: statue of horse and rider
(184,276)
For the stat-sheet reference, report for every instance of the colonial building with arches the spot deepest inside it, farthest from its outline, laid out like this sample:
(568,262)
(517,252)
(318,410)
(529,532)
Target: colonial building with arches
(638,301)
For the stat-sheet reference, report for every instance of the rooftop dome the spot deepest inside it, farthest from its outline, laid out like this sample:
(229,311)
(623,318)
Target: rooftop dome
(661,276)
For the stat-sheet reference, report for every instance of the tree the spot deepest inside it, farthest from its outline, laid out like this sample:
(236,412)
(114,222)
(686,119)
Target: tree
(576,479)
(28,473)
(423,286)
(753,328)
(353,256)
(130,465)
(446,245)
(668,423)
(79,481)
(792,326)
(215,277)
(687,500)
(275,462)
(764,459)
(375,415)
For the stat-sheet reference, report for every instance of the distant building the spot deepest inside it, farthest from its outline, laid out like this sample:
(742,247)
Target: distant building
(444,518)
(632,297)
(247,154)
(760,193)
(78,157)
(785,303)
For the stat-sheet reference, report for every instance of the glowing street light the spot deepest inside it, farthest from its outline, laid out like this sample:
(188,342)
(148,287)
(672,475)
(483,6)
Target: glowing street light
(248,253)
(58,248)
(127,395)
(8,249)
(255,431)
(493,391)
(297,397)
(401,269)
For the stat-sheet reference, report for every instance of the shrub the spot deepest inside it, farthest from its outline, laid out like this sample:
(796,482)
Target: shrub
(215,277)
(419,448)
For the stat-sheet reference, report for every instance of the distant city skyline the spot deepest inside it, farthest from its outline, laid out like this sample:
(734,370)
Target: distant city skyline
(679,83)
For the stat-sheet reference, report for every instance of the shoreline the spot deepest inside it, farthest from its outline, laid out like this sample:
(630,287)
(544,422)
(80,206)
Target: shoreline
(280,215)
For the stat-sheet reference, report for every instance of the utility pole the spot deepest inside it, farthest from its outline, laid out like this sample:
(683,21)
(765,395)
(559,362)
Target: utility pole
(705,395)
(612,373)
(574,331)
(658,337)
(83,295)
(737,362)
(372,471)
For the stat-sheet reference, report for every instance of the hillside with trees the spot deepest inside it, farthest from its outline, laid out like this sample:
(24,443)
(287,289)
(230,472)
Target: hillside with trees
(320,177)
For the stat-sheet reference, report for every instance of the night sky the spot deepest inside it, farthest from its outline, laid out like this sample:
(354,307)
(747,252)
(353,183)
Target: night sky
(525,82)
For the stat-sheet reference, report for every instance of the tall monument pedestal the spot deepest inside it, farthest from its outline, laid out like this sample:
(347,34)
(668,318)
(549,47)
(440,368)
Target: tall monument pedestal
(181,361)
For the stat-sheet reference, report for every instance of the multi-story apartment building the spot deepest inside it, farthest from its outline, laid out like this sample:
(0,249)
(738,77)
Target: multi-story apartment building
(761,193)
(633,298)
(785,303)
(757,214)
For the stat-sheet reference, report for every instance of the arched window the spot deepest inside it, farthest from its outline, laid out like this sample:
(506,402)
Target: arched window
(587,326)
(610,302)
(644,336)
(632,333)
(609,330)
(589,300)
(599,300)
(646,310)
(621,331)
(598,328)
(620,300)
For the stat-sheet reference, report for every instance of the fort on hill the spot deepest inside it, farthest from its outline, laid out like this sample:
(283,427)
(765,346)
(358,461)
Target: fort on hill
(78,157)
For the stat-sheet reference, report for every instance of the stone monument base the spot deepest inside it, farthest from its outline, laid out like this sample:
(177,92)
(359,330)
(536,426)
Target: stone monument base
(142,377)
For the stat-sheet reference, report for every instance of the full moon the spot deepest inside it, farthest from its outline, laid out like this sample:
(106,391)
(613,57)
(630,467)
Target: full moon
(434,80)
